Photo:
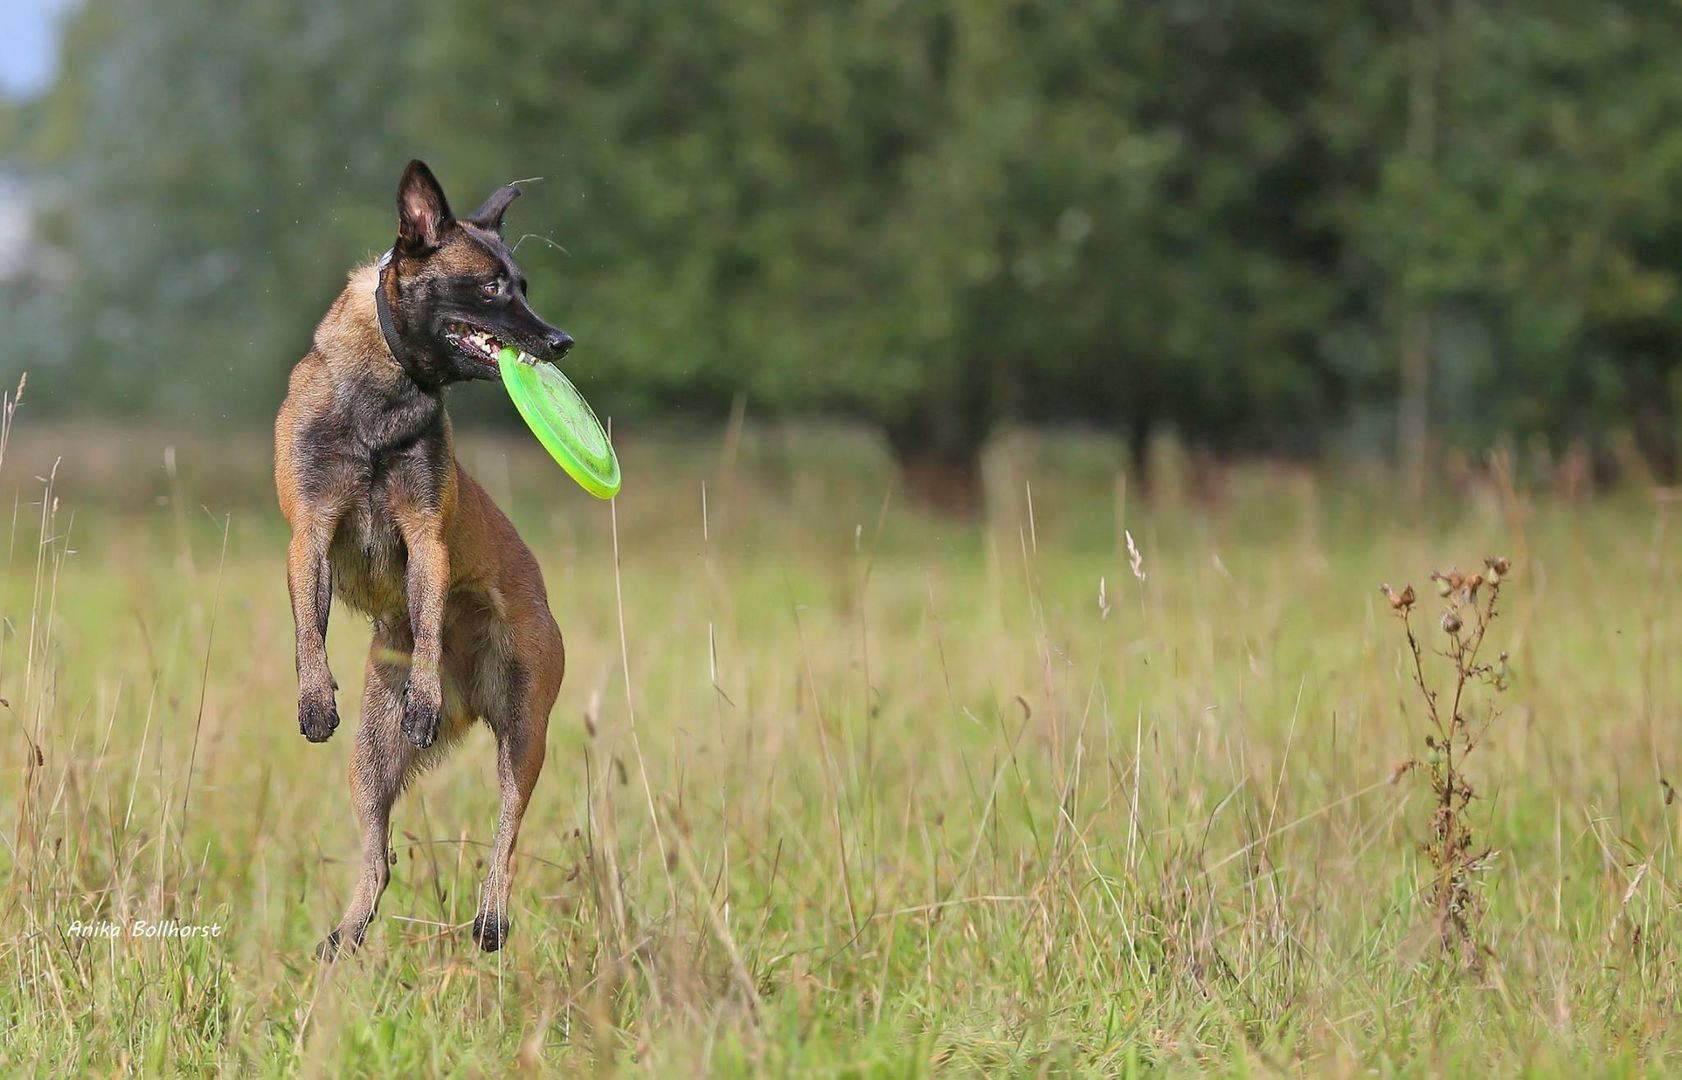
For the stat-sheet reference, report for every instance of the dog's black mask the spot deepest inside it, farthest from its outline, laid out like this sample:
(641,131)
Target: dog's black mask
(452,292)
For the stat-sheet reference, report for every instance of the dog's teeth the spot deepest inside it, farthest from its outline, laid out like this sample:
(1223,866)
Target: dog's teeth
(483,342)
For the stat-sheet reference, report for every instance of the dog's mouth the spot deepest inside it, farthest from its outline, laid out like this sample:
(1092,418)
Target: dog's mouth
(479,344)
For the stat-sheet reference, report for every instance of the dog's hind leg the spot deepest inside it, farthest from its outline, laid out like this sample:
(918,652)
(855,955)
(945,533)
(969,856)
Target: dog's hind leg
(521,728)
(379,767)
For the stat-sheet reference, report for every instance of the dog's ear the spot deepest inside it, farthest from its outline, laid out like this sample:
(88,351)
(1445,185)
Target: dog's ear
(489,216)
(422,211)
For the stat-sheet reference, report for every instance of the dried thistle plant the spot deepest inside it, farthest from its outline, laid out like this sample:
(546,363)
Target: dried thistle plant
(1457,724)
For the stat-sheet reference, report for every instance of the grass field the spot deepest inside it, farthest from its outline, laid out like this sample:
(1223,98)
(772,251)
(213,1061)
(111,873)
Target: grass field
(839,787)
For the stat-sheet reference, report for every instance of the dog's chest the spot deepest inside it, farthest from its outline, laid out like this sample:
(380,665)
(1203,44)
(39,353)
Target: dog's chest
(368,557)
(388,472)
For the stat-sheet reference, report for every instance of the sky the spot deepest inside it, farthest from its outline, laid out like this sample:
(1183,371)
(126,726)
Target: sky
(28,45)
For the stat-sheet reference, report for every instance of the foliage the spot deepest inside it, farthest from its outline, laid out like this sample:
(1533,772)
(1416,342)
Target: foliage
(212,179)
(1260,223)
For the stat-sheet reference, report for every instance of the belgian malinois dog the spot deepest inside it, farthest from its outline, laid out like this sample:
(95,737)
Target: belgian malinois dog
(385,518)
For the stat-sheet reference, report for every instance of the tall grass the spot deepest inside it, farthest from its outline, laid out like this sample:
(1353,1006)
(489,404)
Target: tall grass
(836,786)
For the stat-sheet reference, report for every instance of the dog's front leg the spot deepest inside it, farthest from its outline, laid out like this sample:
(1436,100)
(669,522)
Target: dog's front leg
(426,581)
(309,578)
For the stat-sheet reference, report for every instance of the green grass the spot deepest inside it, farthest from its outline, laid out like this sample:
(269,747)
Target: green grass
(914,803)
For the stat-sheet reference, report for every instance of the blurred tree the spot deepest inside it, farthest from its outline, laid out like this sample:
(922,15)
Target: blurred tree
(1537,238)
(216,177)
(1263,223)
(728,182)
(942,216)
(1132,190)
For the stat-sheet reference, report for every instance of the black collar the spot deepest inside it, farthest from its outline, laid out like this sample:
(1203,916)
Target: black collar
(388,326)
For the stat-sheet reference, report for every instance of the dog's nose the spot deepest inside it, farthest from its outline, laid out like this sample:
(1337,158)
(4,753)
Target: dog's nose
(559,342)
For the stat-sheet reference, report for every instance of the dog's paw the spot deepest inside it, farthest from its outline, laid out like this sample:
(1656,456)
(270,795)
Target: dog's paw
(338,943)
(421,711)
(490,934)
(318,717)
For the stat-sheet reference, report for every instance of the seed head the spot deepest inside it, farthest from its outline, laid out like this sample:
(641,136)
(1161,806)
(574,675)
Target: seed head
(1498,567)
(1447,583)
(1451,622)
(1399,601)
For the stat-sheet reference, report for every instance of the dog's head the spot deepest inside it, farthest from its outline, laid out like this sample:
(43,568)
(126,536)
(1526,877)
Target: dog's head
(456,292)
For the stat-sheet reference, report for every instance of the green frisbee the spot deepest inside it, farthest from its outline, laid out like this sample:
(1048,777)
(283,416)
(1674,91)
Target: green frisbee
(562,421)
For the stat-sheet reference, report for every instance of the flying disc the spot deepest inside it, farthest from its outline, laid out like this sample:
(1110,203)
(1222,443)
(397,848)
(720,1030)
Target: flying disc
(562,421)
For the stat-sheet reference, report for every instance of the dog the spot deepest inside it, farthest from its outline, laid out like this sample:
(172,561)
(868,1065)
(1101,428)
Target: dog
(384,518)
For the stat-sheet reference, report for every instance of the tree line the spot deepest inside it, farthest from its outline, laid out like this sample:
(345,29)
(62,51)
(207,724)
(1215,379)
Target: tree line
(1276,226)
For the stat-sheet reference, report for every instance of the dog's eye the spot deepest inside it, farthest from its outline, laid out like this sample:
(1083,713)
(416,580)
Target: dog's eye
(490,290)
